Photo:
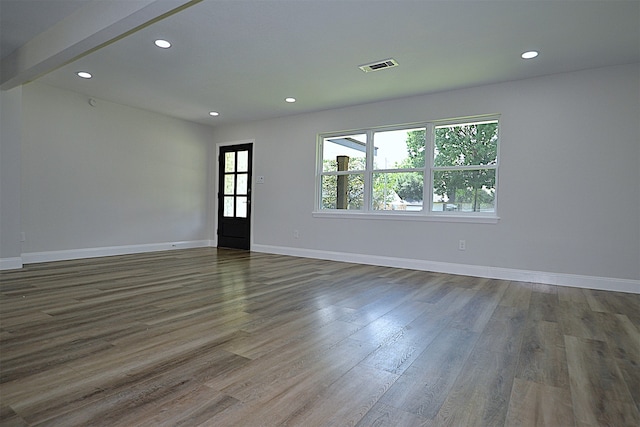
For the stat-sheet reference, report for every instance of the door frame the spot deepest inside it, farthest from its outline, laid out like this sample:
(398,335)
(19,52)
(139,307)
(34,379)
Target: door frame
(216,189)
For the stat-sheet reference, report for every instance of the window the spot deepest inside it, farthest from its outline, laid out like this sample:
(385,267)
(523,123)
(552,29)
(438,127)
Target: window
(465,161)
(343,166)
(452,165)
(398,169)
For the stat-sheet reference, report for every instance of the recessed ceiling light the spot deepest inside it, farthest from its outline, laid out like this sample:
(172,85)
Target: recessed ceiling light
(530,54)
(290,100)
(163,44)
(84,74)
(214,113)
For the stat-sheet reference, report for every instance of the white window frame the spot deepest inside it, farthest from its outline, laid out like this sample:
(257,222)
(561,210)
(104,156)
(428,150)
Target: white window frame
(427,213)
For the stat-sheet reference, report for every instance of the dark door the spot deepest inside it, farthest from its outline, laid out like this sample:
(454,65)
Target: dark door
(234,196)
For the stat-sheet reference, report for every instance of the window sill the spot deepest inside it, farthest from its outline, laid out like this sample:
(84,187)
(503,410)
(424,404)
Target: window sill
(398,216)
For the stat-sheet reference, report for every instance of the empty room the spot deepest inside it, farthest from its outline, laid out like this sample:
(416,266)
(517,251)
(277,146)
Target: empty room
(319,213)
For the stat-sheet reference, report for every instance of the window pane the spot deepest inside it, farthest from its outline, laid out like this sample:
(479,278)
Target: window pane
(241,207)
(229,162)
(242,183)
(466,144)
(464,191)
(228,206)
(243,161)
(229,184)
(399,149)
(398,191)
(342,153)
(350,187)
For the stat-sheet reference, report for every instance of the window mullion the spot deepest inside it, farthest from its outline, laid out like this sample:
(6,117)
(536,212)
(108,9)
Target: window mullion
(464,168)
(319,173)
(368,172)
(428,171)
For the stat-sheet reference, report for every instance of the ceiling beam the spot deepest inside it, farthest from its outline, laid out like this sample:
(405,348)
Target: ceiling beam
(91,27)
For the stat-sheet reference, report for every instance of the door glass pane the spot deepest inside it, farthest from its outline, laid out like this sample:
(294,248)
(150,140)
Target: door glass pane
(243,161)
(229,162)
(228,206)
(228,184)
(241,207)
(242,183)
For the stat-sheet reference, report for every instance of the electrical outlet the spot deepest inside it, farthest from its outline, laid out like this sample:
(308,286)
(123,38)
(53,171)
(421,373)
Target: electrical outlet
(296,234)
(462,245)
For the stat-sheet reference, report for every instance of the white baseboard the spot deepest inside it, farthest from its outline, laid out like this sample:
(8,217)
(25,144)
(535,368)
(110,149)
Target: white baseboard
(13,263)
(33,257)
(559,279)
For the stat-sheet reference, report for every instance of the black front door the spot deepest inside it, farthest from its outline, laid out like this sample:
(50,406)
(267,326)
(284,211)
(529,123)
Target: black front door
(234,196)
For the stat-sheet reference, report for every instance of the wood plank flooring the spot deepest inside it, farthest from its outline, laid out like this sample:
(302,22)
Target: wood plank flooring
(212,337)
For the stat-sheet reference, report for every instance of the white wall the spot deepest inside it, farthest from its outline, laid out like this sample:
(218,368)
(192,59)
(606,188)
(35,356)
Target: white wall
(10,136)
(108,176)
(112,176)
(569,189)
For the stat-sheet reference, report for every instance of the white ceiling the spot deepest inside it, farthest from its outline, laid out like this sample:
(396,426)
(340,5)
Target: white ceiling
(243,57)
(22,20)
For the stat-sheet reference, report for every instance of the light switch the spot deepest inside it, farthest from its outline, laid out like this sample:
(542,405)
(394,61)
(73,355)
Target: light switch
(260,179)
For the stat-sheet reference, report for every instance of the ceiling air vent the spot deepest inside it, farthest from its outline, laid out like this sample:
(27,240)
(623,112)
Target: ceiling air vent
(380,65)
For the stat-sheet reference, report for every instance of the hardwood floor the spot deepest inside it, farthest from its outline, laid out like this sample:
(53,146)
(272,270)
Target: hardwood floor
(208,337)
